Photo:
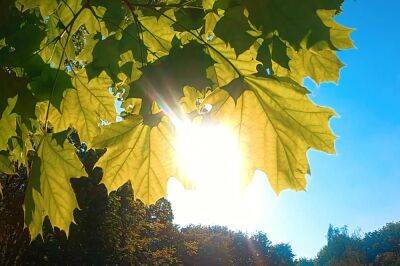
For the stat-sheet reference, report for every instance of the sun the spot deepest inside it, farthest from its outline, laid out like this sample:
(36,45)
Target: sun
(210,157)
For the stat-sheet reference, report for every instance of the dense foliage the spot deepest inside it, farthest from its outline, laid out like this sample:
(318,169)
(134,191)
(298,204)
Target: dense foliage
(64,63)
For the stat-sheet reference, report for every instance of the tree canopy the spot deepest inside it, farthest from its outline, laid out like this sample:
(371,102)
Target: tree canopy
(65,63)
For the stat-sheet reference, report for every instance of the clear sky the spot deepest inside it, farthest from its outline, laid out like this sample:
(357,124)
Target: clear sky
(359,186)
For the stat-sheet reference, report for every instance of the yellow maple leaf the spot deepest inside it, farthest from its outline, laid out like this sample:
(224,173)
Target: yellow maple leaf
(276,123)
(138,153)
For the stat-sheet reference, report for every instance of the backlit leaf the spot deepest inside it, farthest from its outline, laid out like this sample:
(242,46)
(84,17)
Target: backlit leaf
(293,20)
(8,123)
(49,191)
(340,35)
(84,107)
(228,65)
(276,124)
(157,36)
(140,154)
(320,65)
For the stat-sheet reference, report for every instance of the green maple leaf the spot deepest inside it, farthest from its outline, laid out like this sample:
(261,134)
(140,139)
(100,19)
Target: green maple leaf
(8,15)
(105,57)
(339,35)
(108,53)
(52,47)
(34,212)
(279,52)
(51,84)
(49,192)
(233,28)
(228,66)
(43,82)
(188,19)
(157,35)
(272,53)
(320,65)
(20,144)
(114,13)
(164,80)
(8,123)
(84,107)
(293,20)
(138,153)
(10,86)
(15,35)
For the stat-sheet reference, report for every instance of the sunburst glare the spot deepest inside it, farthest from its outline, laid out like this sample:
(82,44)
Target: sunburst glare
(210,157)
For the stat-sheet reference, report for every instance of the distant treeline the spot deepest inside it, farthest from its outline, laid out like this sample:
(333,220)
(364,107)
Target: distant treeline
(117,230)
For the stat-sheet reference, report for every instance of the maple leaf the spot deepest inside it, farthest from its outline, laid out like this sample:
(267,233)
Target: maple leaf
(43,86)
(138,153)
(107,53)
(191,99)
(8,123)
(15,87)
(188,19)
(34,212)
(293,20)
(20,144)
(272,53)
(157,35)
(227,65)
(320,65)
(339,35)
(276,124)
(234,20)
(165,79)
(84,107)
(49,192)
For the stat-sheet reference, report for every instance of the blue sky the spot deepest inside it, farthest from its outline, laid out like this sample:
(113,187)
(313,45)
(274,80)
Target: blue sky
(359,186)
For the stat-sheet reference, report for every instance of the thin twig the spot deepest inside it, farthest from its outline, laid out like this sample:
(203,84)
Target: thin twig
(128,33)
(185,4)
(200,39)
(70,24)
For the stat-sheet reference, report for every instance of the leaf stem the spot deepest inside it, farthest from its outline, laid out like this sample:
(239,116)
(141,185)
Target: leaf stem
(139,28)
